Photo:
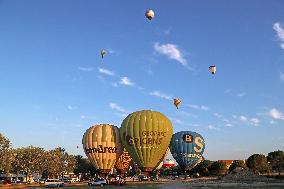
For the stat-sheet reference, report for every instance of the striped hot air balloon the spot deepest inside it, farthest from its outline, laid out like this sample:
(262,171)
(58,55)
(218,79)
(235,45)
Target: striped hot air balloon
(102,146)
(146,136)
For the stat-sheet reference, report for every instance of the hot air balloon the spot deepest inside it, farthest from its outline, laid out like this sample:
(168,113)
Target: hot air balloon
(160,164)
(212,69)
(177,102)
(123,162)
(150,14)
(146,136)
(187,148)
(103,53)
(102,146)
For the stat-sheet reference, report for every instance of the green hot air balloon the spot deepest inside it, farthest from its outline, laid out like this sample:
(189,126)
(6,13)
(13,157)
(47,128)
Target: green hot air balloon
(146,135)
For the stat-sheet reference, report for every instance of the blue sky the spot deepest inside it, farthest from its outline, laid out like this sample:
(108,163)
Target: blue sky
(54,84)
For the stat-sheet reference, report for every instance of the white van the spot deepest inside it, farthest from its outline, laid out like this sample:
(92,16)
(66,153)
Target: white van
(53,183)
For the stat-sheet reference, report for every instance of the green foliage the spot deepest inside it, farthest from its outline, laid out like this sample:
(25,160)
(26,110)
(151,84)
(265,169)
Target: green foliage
(84,167)
(276,160)
(6,154)
(237,163)
(202,168)
(258,163)
(218,168)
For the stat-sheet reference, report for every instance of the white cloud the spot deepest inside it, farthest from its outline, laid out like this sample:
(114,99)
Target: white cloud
(126,81)
(282,76)
(280,33)
(197,107)
(211,127)
(86,69)
(112,51)
(243,118)
(161,95)
(276,114)
(241,94)
(254,121)
(228,125)
(116,107)
(217,115)
(87,117)
(72,107)
(106,71)
(171,51)
(250,121)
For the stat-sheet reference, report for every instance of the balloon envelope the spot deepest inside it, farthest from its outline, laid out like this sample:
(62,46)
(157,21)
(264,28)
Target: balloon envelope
(213,69)
(150,14)
(146,136)
(187,148)
(123,162)
(102,146)
(177,102)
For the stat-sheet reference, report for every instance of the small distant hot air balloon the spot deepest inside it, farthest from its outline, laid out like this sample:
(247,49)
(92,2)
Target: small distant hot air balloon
(213,69)
(177,102)
(103,53)
(150,14)
(102,146)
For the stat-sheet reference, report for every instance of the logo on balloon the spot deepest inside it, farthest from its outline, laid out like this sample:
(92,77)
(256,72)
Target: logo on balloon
(187,138)
(147,138)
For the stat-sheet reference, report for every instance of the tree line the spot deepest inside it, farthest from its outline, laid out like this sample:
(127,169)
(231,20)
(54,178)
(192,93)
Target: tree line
(48,163)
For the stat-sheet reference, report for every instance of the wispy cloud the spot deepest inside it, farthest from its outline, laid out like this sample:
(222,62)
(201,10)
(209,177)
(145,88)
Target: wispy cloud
(87,117)
(106,71)
(197,107)
(217,115)
(116,107)
(282,76)
(112,51)
(211,127)
(250,121)
(72,107)
(171,51)
(280,33)
(126,81)
(276,114)
(161,95)
(86,69)
(241,94)
(228,125)
(184,113)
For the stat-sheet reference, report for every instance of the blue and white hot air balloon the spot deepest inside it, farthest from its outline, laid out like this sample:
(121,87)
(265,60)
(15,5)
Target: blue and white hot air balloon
(187,148)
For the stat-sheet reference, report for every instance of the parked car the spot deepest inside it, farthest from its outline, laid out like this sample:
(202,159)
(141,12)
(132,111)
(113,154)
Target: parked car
(142,178)
(41,181)
(118,181)
(53,183)
(98,182)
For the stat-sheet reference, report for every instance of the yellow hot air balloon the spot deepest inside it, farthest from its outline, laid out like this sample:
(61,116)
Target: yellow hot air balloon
(102,146)
(146,136)
(123,162)
(213,69)
(103,53)
(177,102)
(150,14)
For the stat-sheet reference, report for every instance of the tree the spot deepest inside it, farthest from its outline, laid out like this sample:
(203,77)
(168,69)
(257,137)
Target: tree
(83,167)
(218,168)
(6,154)
(60,162)
(276,160)
(28,160)
(258,163)
(237,163)
(202,168)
